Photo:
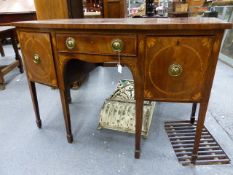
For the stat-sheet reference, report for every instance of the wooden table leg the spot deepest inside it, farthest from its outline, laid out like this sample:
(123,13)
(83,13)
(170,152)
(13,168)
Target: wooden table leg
(200,124)
(61,64)
(138,86)
(32,88)
(66,113)
(17,55)
(139,112)
(68,95)
(1,49)
(192,118)
(2,81)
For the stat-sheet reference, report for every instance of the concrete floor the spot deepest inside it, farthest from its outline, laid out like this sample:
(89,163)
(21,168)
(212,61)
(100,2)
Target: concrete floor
(26,150)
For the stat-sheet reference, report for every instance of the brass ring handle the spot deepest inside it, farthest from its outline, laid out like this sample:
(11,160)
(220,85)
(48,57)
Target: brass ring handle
(36,59)
(175,70)
(117,45)
(70,43)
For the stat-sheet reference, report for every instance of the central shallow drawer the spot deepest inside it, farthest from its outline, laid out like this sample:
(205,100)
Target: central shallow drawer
(97,44)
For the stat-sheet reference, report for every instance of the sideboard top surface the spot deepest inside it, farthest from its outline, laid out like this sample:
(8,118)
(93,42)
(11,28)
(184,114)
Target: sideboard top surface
(130,23)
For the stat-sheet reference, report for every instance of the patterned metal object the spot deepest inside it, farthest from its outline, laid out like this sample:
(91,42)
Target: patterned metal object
(36,59)
(70,43)
(175,70)
(118,111)
(182,135)
(117,45)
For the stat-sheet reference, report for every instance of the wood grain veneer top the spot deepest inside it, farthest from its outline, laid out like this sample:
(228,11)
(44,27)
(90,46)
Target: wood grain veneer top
(129,23)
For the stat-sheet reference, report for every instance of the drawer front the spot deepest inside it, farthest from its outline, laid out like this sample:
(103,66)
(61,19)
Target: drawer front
(176,67)
(38,57)
(97,44)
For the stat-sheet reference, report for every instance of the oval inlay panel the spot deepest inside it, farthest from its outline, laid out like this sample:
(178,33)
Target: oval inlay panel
(38,44)
(180,54)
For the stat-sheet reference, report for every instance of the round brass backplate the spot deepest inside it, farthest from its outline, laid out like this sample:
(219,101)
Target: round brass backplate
(175,70)
(36,59)
(117,45)
(70,43)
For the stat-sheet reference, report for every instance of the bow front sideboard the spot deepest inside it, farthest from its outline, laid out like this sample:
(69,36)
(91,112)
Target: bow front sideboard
(171,60)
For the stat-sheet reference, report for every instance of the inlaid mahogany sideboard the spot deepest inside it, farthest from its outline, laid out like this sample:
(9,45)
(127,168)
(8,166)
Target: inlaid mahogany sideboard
(171,59)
